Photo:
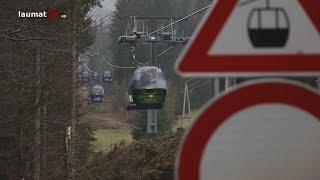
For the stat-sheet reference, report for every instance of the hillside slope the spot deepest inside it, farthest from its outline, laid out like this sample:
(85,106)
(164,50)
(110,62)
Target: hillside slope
(145,159)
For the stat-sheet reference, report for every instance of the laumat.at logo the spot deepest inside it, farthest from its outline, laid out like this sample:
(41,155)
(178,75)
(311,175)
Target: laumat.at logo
(51,14)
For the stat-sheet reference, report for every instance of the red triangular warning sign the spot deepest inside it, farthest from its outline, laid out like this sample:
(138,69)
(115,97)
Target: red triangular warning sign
(253,38)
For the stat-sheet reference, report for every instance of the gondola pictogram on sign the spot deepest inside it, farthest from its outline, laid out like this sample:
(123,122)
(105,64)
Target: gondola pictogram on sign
(274,36)
(256,37)
(267,129)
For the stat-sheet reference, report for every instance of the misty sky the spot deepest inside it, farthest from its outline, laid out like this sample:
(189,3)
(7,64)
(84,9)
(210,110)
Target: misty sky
(107,8)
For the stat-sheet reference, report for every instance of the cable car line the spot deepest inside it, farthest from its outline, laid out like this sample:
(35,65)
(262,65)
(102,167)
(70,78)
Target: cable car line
(247,2)
(165,51)
(115,66)
(204,83)
(194,85)
(139,63)
(133,52)
(180,20)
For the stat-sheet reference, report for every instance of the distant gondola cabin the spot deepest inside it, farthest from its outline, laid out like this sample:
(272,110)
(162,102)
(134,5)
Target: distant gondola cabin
(97,94)
(107,76)
(95,76)
(85,77)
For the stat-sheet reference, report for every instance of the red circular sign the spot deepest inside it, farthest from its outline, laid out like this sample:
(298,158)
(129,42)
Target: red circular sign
(280,92)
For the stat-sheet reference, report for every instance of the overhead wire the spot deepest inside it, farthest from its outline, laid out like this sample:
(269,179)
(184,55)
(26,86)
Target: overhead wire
(195,84)
(199,86)
(246,2)
(133,52)
(165,51)
(180,20)
(115,66)
(192,85)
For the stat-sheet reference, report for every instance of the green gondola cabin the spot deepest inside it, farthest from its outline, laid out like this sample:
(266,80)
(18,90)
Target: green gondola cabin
(148,88)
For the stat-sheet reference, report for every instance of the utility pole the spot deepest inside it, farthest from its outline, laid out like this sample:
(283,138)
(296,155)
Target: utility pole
(186,99)
(230,82)
(227,83)
(152,115)
(189,106)
(216,86)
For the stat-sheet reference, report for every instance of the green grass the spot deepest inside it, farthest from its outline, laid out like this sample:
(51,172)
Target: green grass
(106,138)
